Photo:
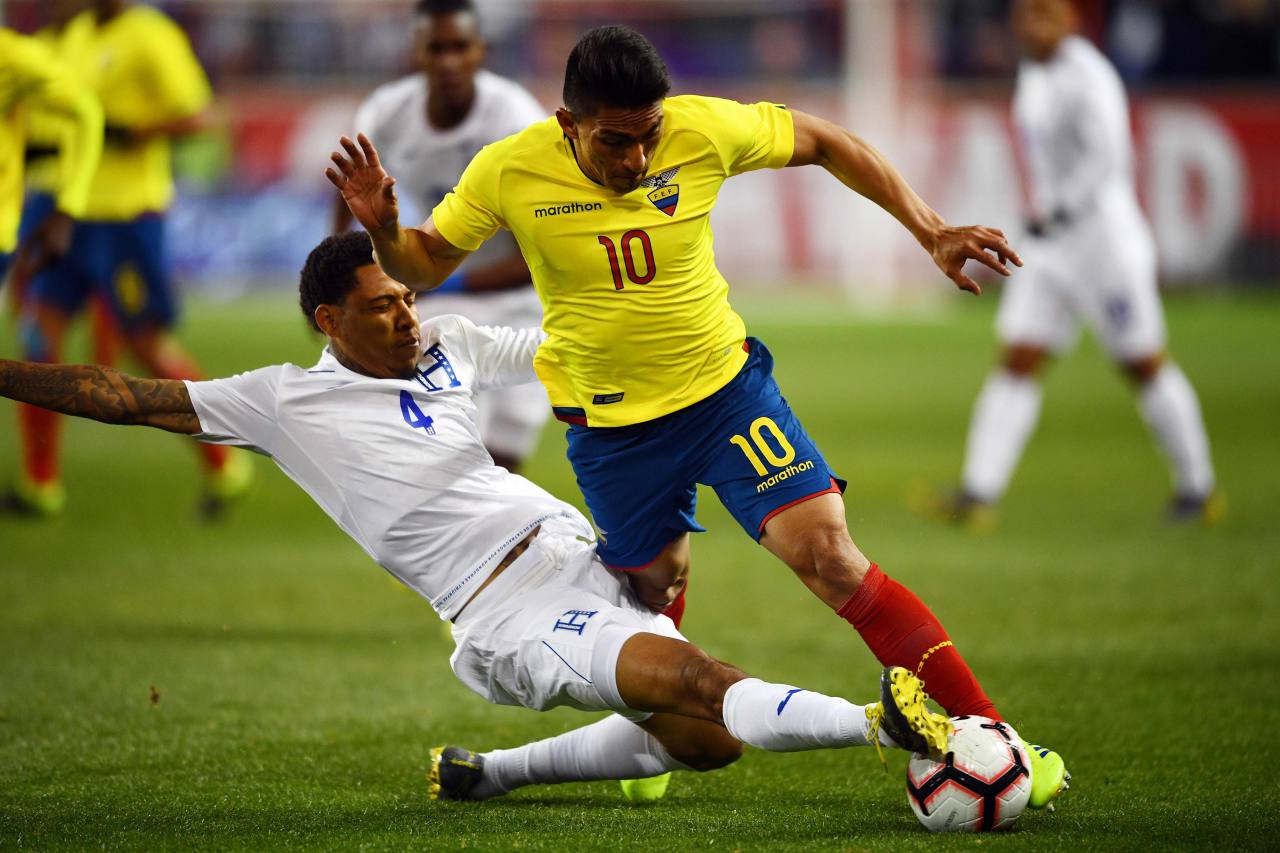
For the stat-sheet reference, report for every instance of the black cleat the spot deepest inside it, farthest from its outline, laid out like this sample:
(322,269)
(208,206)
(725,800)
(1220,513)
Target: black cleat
(453,773)
(905,718)
(1204,509)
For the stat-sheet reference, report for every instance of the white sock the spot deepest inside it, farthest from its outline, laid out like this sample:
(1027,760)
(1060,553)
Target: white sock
(612,748)
(1170,408)
(1004,416)
(782,718)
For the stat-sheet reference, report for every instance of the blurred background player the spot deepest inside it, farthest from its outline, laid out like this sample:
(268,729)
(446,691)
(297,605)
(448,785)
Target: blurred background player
(428,126)
(152,88)
(43,170)
(1091,260)
(33,80)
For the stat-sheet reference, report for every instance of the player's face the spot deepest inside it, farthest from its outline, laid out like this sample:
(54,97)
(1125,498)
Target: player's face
(1041,24)
(615,146)
(450,52)
(376,326)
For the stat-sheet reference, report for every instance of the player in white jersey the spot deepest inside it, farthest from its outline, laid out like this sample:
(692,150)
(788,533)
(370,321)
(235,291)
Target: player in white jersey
(428,126)
(382,434)
(1091,261)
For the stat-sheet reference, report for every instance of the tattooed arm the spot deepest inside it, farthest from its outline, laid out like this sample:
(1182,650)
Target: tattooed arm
(102,394)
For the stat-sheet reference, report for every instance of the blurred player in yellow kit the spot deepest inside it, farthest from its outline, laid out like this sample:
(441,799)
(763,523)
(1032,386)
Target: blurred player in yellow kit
(152,89)
(32,80)
(43,174)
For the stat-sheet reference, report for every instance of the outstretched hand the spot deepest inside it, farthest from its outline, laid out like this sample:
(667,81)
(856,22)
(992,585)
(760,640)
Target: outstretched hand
(365,186)
(954,246)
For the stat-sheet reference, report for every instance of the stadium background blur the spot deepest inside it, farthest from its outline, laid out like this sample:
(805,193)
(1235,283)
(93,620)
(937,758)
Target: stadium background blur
(928,80)
(254,685)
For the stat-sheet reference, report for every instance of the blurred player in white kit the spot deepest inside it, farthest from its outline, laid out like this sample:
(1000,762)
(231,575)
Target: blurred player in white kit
(427,127)
(1091,260)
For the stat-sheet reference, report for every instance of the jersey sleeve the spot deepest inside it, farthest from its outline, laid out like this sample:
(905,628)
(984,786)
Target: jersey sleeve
(749,136)
(240,410)
(179,82)
(471,214)
(502,356)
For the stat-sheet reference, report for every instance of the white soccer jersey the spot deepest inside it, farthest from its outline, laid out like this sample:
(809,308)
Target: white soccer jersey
(397,463)
(1072,117)
(1096,268)
(426,161)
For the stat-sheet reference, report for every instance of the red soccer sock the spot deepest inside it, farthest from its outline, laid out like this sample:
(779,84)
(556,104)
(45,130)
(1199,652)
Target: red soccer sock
(901,631)
(105,333)
(39,443)
(675,610)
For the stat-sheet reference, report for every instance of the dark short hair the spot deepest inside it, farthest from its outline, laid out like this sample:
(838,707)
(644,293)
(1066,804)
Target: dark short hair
(614,67)
(330,271)
(443,7)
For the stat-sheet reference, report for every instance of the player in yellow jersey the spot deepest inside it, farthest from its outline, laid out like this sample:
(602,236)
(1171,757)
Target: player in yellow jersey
(610,202)
(33,81)
(152,89)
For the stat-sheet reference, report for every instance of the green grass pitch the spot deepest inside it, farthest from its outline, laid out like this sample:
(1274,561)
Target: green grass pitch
(298,690)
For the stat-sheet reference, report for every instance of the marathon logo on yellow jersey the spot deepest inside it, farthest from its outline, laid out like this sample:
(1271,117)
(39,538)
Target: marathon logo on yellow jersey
(665,195)
(571,207)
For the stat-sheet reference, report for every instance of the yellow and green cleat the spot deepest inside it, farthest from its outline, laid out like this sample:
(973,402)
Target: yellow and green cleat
(1049,776)
(955,507)
(647,790)
(226,486)
(41,500)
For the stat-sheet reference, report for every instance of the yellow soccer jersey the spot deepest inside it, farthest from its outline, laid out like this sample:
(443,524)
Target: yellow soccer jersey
(144,72)
(637,316)
(44,131)
(32,79)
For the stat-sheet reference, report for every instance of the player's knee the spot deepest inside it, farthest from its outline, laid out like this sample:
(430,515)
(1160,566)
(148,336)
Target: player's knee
(712,750)
(1023,359)
(706,680)
(835,565)
(1143,370)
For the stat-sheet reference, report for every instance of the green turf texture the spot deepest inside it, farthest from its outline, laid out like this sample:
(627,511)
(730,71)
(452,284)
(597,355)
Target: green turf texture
(298,689)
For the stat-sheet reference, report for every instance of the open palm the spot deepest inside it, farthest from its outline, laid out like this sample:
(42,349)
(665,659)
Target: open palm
(365,186)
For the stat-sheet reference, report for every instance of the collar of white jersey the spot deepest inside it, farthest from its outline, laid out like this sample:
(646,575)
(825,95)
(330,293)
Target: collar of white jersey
(471,122)
(329,363)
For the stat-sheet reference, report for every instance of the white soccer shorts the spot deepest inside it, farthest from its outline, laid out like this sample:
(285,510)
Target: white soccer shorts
(1102,274)
(549,629)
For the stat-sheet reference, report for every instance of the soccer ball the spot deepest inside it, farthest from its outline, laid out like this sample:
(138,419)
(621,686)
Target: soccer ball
(982,784)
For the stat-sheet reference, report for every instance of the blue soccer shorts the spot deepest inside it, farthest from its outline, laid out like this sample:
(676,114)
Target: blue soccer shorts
(640,481)
(124,262)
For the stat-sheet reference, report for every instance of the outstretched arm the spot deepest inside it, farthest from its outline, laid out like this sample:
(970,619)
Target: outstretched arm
(865,171)
(419,258)
(101,394)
